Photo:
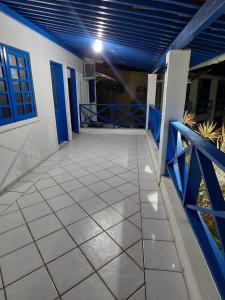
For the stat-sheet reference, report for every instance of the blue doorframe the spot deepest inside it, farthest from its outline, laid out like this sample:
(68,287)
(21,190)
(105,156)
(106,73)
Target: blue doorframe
(73,100)
(59,101)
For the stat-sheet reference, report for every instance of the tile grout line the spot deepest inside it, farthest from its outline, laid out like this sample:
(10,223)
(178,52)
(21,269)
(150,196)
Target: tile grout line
(163,270)
(22,194)
(141,222)
(104,231)
(47,235)
(5,232)
(174,242)
(34,241)
(140,287)
(64,227)
(51,176)
(86,199)
(3,284)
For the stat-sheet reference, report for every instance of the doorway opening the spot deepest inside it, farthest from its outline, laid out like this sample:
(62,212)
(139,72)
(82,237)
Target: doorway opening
(73,99)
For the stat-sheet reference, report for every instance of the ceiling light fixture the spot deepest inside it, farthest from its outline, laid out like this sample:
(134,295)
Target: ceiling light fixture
(97,46)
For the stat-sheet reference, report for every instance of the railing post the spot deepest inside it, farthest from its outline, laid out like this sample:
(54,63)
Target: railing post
(174,95)
(151,92)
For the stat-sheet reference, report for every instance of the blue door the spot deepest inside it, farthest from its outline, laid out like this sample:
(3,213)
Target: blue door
(73,100)
(59,101)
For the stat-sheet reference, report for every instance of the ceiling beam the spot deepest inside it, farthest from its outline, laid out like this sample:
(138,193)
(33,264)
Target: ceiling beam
(209,12)
(92,34)
(65,20)
(69,26)
(142,30)
(99,12)
(132,9)
(183,3)
(23,8)
(145,48)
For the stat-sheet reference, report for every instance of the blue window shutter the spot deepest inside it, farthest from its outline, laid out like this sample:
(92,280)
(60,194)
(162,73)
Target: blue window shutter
(6,113)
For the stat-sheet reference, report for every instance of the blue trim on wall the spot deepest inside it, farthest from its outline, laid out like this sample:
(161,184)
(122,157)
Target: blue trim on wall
(8,11)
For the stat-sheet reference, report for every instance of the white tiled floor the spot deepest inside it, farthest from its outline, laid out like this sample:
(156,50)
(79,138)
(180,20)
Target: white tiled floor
(74,227)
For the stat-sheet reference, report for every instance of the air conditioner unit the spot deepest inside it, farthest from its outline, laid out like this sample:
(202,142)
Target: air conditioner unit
(89,70)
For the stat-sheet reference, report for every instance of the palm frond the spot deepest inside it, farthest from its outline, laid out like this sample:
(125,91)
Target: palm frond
(188,119)
(221,139)
(208,131)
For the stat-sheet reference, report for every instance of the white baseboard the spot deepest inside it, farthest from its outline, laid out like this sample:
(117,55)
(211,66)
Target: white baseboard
(122,131)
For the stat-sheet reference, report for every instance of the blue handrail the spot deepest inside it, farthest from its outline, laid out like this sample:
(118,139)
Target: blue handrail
(127,115)
(154,123)
(194,164)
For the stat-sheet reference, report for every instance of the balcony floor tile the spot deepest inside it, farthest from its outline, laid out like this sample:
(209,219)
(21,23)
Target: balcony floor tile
(75,228)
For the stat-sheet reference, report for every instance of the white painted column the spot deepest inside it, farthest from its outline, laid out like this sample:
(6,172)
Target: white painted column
(174,96)
(151,93)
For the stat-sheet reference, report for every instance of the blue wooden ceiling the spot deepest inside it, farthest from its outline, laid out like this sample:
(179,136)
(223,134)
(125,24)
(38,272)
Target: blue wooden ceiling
(135,33)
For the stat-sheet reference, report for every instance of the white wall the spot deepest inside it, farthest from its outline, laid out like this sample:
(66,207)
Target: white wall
(25,144)
(85,94)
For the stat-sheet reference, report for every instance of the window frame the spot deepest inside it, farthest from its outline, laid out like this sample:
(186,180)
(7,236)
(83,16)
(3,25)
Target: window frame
(28,107)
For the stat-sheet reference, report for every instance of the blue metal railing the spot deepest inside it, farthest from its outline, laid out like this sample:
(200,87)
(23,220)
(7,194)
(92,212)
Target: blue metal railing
(154,123)
(123,115)
(197,169)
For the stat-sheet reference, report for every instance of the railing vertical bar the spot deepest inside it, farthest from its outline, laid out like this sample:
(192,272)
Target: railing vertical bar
(154,123)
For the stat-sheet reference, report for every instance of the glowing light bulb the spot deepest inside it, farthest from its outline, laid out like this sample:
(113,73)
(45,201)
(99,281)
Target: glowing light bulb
(97,46)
